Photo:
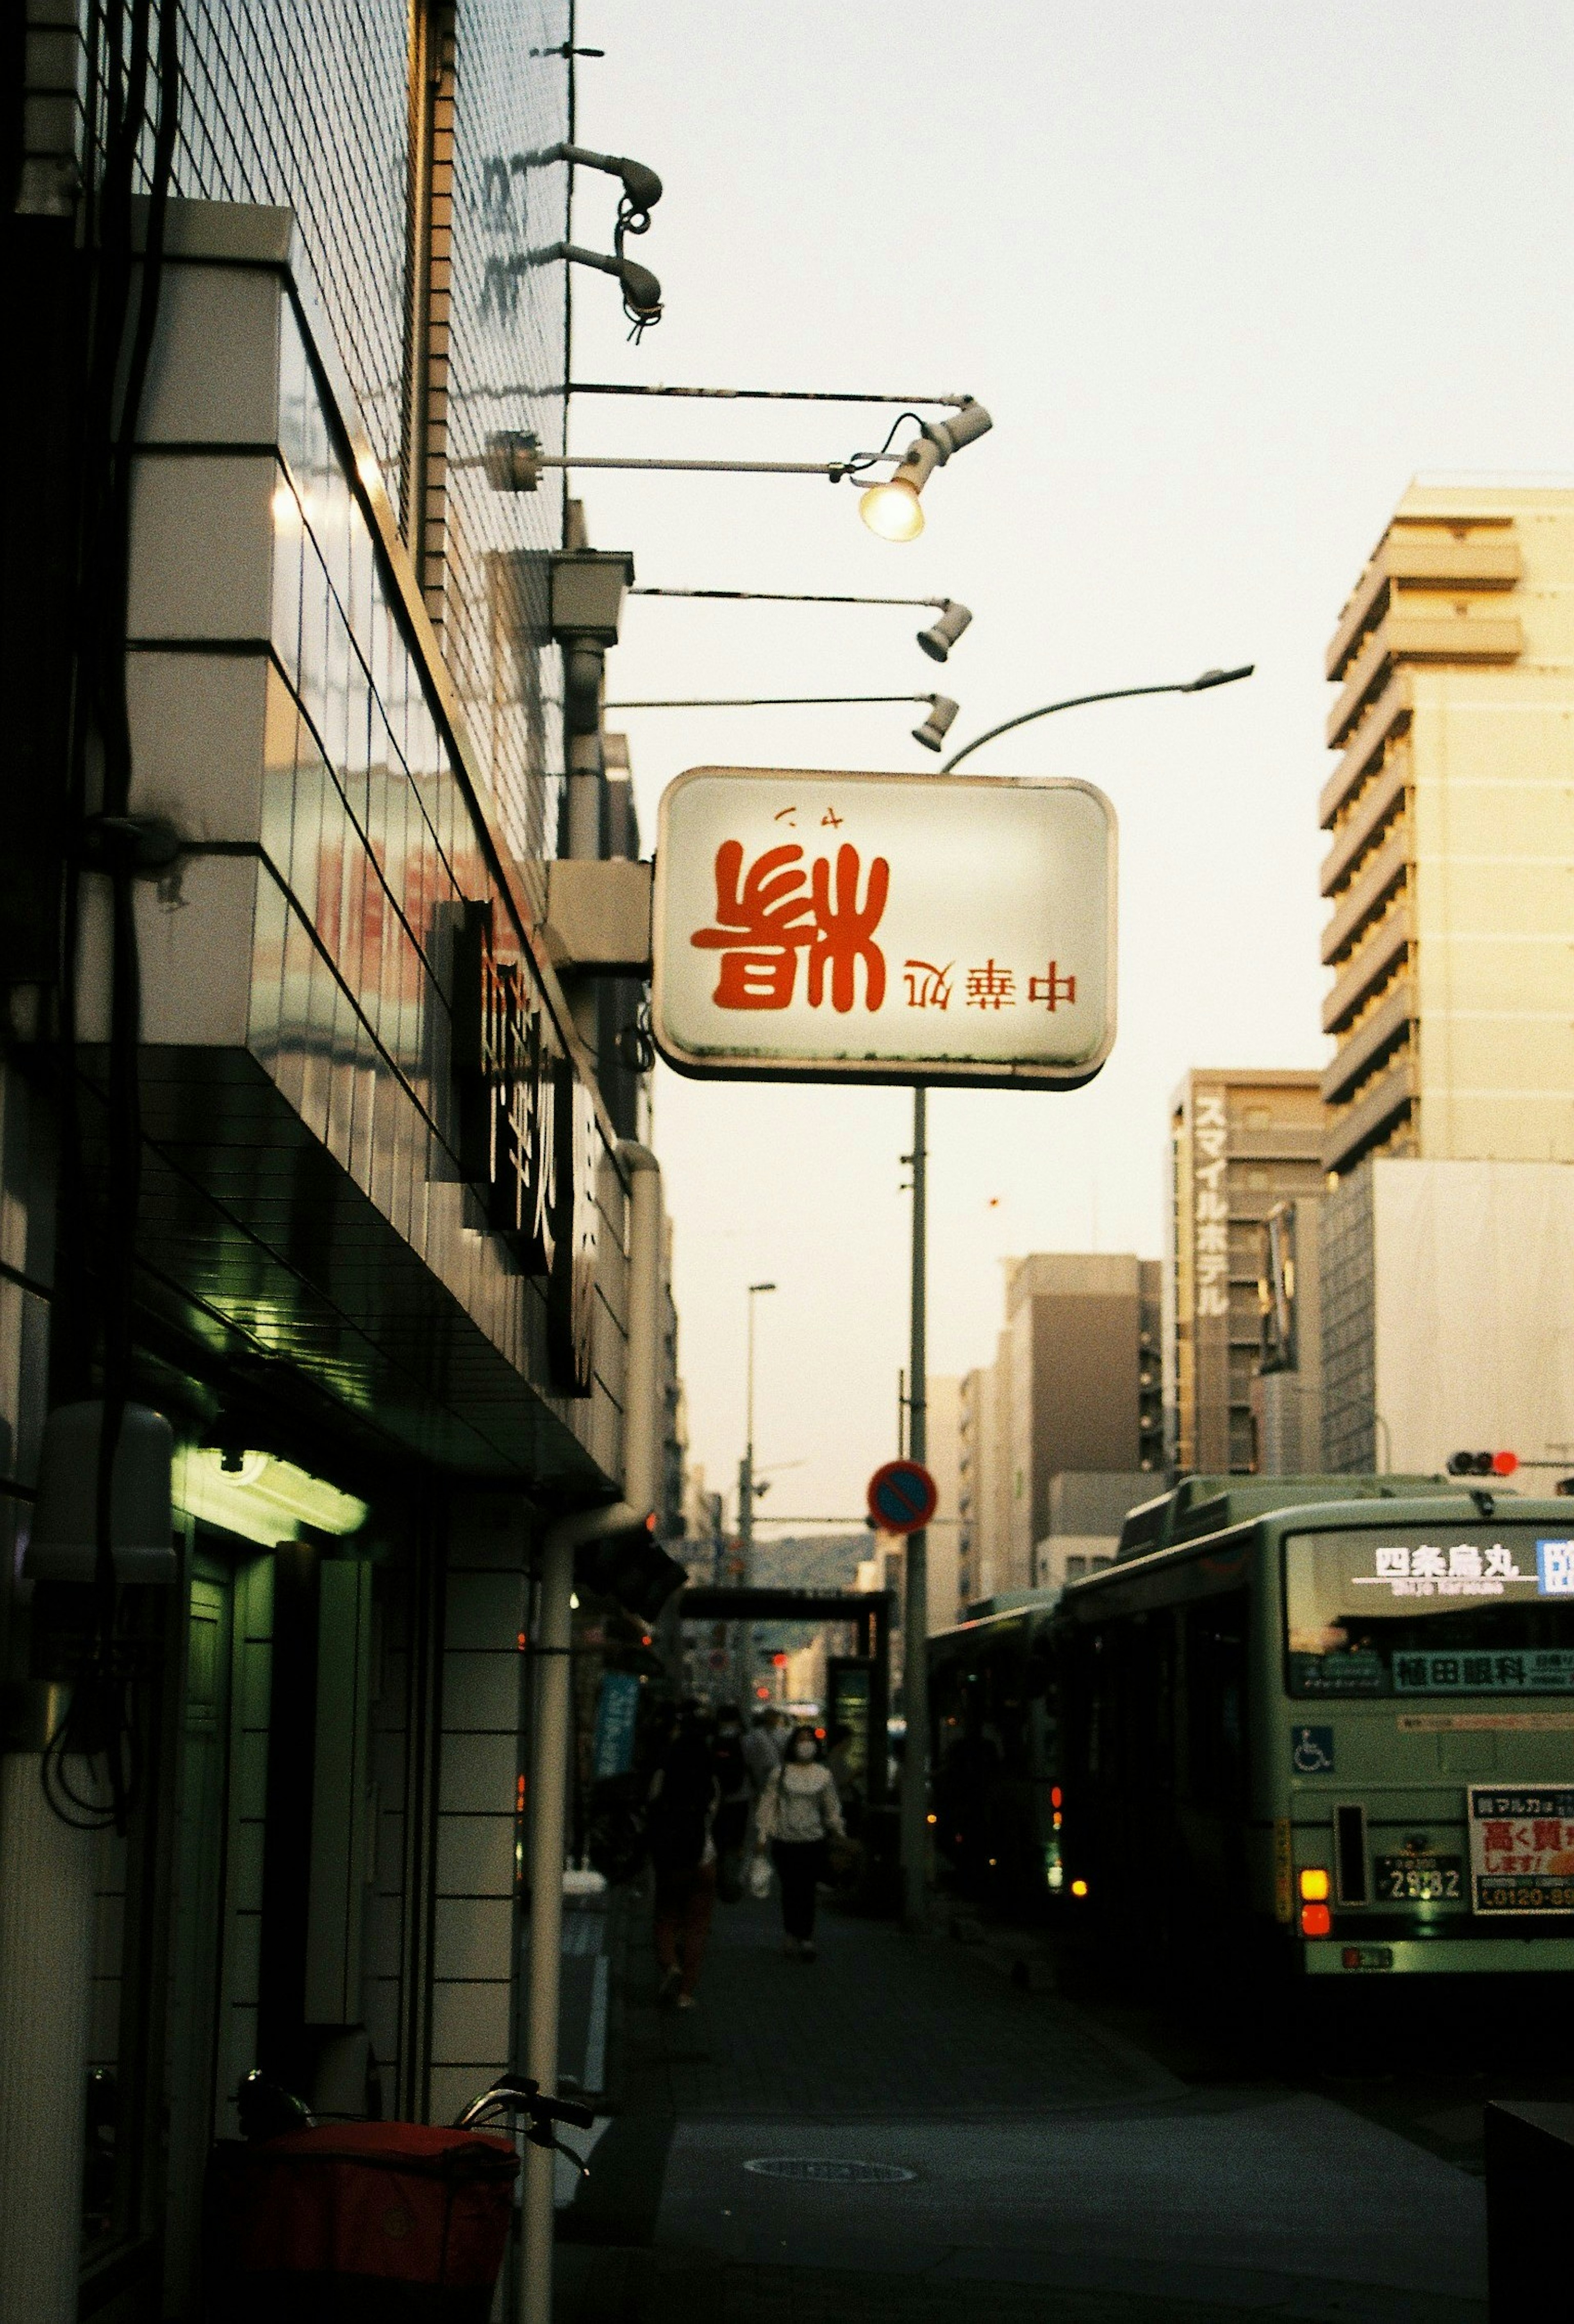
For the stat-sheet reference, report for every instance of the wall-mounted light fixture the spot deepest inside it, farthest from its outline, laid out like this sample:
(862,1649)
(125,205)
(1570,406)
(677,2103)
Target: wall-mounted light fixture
(937,641)
(513,460)
(893,509)
(260,1497)
(642,190)
(941,718)
(931,733)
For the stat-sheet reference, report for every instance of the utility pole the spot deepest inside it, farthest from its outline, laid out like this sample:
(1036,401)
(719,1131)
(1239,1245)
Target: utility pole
(746,1503)
(915,1564)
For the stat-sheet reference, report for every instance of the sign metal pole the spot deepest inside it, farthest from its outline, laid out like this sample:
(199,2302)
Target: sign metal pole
(915,1564)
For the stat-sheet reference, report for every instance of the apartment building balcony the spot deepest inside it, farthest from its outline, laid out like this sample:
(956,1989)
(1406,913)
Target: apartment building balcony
(1369,965)
(1387,721)
(1383,798)
(1439,634)
(1488,558)
(1367,894)
(1370,1041)
(1373,1118)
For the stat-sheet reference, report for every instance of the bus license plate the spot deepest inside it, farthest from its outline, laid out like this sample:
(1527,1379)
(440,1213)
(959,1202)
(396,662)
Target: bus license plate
(1421,1880)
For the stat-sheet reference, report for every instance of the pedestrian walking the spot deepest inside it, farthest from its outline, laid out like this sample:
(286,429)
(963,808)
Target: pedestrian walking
(798,1813)
(735,1799)
(763,1749)
(683,1799)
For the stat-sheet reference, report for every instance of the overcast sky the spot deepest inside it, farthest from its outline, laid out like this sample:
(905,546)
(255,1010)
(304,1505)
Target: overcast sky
(1226,277)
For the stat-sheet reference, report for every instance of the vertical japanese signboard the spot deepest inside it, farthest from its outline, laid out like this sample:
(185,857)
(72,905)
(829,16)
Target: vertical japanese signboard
(1210,1274)
(884,927)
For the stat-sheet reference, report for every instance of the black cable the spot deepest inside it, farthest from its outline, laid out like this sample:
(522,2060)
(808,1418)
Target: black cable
(101,1723)
(862,460)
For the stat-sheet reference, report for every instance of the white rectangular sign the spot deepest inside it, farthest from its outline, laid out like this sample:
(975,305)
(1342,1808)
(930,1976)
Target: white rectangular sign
(884,927)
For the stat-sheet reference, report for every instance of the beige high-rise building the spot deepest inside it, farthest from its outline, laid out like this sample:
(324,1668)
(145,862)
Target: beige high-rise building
(1451,818)
(1240,1144)
(1448,1227)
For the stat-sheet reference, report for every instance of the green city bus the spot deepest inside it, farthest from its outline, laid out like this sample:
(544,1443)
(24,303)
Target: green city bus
(1326,1725)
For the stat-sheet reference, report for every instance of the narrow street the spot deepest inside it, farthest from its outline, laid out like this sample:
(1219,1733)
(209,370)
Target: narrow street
(903,2130)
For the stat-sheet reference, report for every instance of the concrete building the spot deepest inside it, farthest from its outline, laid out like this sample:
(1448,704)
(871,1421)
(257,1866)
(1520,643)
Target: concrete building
(983,1473)
(380,1273)
(944,1418)
(1074,1393)
(1447,1320)
(1087,1511)
(1287,1387)
(1445,1252)
(1240,1143)
(1086,1388)
(1450,815)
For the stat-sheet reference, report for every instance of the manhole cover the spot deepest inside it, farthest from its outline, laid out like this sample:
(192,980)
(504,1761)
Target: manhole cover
(826,2173)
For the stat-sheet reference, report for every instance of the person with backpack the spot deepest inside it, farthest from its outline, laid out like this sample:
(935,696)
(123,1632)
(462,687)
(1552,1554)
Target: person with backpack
(683,1799)
(799,1812)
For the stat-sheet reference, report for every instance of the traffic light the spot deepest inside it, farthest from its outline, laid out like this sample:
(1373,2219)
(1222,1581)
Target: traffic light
(1483,1464)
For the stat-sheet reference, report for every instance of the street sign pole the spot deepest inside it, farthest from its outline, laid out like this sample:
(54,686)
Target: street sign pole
(915,1566)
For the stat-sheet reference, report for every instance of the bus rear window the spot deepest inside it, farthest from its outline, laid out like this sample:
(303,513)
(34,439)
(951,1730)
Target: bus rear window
(1486,1609)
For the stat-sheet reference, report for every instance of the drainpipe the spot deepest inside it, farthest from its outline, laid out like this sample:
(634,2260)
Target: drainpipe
(550,1751)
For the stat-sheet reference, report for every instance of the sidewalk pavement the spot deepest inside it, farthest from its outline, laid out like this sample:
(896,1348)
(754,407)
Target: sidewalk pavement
(900,2132)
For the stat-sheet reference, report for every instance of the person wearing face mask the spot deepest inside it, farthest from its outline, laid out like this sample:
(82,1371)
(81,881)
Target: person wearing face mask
(799,1812)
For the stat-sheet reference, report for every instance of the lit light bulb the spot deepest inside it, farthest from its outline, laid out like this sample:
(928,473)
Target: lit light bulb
(893,510)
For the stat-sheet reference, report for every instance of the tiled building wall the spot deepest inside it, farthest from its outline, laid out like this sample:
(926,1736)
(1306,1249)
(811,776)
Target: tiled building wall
(478,1797)
(309,107)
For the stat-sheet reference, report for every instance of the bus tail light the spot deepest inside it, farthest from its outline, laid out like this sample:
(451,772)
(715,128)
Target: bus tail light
(1315,1920)
(1314,1886)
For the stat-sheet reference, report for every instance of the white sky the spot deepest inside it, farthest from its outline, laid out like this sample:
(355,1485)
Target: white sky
(1225,276)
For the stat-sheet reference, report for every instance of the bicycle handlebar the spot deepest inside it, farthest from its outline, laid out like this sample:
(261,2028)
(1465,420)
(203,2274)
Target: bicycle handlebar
(521,2094)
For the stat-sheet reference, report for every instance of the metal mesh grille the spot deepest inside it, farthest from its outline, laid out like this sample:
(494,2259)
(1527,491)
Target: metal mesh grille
(305,104)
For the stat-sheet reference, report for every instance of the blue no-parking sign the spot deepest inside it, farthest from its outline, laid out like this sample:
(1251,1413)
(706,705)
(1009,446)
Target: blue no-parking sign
(902,1496)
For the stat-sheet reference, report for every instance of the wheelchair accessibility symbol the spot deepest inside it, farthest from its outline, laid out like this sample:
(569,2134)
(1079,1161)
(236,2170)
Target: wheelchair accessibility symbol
(1313,1750)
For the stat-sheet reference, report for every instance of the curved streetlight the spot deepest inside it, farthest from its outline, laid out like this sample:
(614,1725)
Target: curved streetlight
(1203,685)
(915,1564)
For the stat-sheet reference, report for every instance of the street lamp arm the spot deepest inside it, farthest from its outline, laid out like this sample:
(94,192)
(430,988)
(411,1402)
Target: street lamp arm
(1209,678)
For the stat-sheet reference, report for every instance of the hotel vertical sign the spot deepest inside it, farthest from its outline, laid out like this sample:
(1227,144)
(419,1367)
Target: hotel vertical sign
(1210,1272)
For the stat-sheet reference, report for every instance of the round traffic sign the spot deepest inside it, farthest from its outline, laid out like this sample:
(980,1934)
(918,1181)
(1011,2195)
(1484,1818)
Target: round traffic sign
(902,1496)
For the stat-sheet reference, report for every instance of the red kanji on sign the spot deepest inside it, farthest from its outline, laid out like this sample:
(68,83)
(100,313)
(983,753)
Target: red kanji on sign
(764,919)
(1053,988)
(845,930)
(990,987)
(761,923)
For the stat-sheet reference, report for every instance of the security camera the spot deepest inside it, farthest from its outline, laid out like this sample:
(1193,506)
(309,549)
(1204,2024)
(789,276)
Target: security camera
(940,636)
(938,724)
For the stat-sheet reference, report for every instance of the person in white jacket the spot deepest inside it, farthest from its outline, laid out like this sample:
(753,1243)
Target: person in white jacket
(799,1812)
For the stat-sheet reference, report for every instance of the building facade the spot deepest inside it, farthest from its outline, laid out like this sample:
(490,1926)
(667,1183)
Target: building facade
(984,1477)
(1085,1395)
(1287,1390)
(1445,1328)
(1450,818)
(303,1140)
(1239,1144)
(1450,1130)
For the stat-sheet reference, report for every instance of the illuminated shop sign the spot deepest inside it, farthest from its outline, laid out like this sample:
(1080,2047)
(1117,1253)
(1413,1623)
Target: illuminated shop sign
(884,927)
(528,1138)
